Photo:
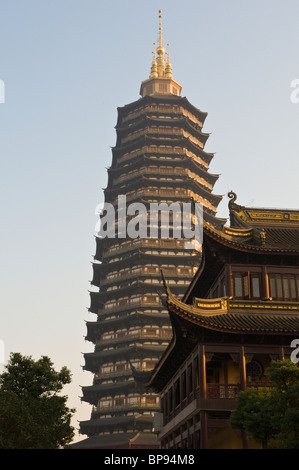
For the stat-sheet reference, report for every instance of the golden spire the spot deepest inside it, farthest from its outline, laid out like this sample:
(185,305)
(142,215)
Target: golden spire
(160,49)
(160,80)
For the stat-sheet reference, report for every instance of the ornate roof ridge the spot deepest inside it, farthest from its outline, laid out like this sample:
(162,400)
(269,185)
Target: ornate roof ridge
(260,216)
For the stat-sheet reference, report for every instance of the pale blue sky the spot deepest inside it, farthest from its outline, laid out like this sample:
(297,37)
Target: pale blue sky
(67,65)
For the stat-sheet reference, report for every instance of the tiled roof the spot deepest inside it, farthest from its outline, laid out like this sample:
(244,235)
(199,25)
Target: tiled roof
(267,229)
(281,238)
(237,316)
(269,239)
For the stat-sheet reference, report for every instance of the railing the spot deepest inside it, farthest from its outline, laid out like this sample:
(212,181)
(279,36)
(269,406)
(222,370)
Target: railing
(107,408)
(145,271)
(147,243)
(138,335)
(214,392)
(228,304)
(126,305)
(219,391)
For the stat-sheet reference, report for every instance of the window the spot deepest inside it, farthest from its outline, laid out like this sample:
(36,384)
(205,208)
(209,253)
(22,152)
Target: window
(247,285)
(241,285)
(254,370)
(255,286)
(284,286)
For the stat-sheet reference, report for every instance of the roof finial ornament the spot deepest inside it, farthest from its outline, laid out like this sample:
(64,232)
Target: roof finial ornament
(233,198)
(154,68)
(160,49)
(160,81)
(168,68)
(160,38)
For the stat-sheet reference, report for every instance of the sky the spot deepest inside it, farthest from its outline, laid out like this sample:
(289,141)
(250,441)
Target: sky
(65,67)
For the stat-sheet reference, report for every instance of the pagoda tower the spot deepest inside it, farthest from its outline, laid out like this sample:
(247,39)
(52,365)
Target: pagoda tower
(159,157)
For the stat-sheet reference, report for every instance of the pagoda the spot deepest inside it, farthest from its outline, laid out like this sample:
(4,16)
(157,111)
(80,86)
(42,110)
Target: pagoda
(159,157)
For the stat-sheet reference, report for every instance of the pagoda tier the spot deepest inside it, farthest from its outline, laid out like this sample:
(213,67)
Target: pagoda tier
(125,423)
(149,165)
(179,106)
(95,330)
(159,157)
(166,144)
(97,360)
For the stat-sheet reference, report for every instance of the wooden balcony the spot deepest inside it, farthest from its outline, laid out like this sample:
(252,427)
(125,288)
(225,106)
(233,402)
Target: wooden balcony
(126,407)
(219,397)
(162,335)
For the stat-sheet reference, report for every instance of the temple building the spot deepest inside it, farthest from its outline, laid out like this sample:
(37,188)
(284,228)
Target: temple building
(240,312)
(159,157)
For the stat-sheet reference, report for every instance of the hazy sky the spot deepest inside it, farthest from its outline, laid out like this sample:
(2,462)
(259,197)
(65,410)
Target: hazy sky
(66,66)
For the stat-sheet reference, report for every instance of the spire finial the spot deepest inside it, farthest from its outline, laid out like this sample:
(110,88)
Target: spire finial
(160,39)
(160,79)
(160,49)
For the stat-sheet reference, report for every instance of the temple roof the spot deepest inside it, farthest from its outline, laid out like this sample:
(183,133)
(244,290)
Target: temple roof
(257,229)
(232,318)
(239,316)
(241,216)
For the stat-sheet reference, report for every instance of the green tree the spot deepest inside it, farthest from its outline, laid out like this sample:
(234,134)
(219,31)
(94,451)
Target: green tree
(254,414)
(285,377)
(273,413)
(32,414)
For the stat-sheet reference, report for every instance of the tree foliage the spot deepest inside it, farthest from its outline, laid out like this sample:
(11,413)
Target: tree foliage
(32,414)
(272,413)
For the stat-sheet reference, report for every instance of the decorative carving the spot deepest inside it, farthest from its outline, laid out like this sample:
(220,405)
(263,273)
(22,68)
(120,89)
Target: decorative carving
(235,357)
(248,358)
(209,357)
(233,198)
(263,236)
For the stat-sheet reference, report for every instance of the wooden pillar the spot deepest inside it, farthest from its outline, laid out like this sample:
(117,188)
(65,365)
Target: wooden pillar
(243,384)
(229,281)
(203,395)
(242,368)
(265,283)
(281,353)
(202,372)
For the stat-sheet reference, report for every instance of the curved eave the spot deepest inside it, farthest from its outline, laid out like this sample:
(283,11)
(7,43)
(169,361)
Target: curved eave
(135,252)
(147,119)
(175,141)
(96,328)
(101,269)
(187,319)
(94,359)
(144,180)
(169,138)
(246,245)
(184,162)
(239,322)
(181,101)
(93,393)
